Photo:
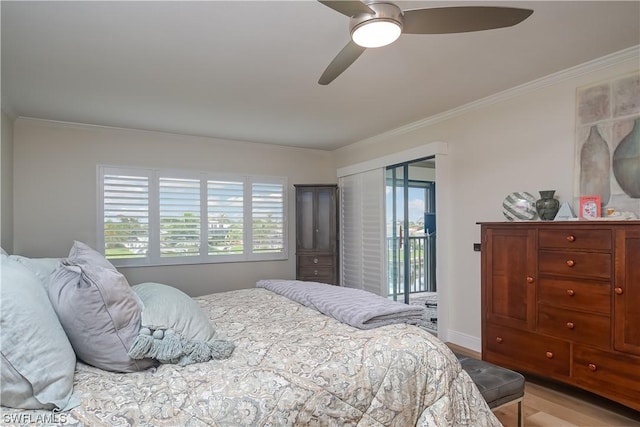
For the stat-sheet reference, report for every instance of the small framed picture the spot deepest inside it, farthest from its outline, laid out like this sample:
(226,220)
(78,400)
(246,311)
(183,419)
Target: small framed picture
(590,207)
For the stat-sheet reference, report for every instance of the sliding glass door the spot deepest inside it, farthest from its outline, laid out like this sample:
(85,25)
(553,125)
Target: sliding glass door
(410,229)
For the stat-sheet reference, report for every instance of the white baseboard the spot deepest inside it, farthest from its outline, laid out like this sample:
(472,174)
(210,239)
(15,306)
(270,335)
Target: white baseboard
(464,340)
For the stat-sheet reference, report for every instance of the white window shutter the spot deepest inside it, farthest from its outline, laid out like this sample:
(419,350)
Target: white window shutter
(164,217)
(179,201)
(124,214)
(350,232)
(362,231)
(225,217)
(267,218)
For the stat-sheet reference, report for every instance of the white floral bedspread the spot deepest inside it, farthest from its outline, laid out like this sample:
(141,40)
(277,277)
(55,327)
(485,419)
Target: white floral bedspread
(292,366)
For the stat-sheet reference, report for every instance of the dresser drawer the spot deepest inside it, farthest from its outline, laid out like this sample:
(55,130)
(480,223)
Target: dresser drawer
(575,239)
(315,260)
(575,264)
(594,297)
(610,374)
(576,326)
(527,351)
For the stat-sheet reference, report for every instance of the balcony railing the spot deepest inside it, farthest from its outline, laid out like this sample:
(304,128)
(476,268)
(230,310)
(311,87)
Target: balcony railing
(422,265)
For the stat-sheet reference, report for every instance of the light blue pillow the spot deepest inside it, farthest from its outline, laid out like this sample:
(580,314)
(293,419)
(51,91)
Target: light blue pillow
(41,267)
(38,362)
(174,328)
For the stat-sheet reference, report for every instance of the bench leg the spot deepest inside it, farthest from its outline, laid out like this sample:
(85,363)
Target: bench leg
(520,419)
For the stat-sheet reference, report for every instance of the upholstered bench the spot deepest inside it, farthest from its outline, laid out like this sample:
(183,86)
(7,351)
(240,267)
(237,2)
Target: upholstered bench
(499,386)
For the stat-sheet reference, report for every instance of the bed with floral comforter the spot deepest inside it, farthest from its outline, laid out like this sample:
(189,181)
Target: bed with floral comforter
(292,366)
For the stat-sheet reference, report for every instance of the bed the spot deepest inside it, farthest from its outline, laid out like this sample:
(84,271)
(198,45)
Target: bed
(291,366)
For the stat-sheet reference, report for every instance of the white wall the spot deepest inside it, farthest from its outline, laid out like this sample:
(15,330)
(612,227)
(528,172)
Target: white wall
(6,184)
(520,142)
(55,190)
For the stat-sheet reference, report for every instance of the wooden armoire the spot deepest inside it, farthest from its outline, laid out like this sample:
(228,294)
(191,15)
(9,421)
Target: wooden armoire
(317,233)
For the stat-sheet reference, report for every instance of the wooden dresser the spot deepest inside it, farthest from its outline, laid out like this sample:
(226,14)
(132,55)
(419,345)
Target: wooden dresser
(561,300)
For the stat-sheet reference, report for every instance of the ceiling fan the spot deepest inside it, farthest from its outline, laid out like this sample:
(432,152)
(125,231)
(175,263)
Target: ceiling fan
(379,23)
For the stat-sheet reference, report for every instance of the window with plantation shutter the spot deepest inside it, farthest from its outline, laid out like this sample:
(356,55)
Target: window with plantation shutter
(267,215)
(156,217)
(179,203)
(126,215)
(225,217)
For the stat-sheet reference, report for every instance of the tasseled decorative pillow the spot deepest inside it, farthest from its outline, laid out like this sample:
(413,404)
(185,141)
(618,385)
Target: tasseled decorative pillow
(175,329)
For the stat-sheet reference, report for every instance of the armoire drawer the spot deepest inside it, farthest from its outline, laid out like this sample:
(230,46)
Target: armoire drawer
(580,295)
(315,272)
(576,326)
(575,239)
(528,351)
(315,260)
(610,374)
(575,264)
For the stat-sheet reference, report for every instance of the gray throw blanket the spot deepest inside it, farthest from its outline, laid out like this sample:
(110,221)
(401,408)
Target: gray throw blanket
(355,307)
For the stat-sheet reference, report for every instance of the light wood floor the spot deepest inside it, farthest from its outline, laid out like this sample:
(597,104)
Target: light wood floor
(548,404)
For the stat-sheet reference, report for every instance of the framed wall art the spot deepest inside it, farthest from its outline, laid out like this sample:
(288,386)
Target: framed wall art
(607,148)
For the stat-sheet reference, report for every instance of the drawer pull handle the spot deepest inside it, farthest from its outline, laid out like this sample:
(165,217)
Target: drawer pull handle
(499,340)
(570,325)
(571,263)
(549,355)
(592,367)
(315,272)
(571,238)
(618,291)
(571,292)
(315,260)
(529,279)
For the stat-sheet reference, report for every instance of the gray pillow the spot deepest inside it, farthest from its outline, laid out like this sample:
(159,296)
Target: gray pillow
(174,328)
(97,309)
(38,362)
(83,255)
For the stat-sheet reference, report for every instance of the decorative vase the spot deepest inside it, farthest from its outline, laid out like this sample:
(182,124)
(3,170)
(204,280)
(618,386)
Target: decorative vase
(547,207)
(626,162)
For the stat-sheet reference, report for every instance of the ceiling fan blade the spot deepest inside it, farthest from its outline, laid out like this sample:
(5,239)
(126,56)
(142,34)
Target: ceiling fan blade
(462,19)
(341,62)
(348,8)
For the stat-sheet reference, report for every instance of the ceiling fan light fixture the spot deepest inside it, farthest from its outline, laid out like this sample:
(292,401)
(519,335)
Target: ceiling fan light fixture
(376,33)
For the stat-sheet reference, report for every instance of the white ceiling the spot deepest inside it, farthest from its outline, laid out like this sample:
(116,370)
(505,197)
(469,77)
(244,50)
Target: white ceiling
(249,70)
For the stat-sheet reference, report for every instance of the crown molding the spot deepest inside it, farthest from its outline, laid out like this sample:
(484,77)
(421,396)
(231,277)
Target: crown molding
(629,54)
